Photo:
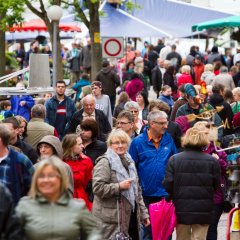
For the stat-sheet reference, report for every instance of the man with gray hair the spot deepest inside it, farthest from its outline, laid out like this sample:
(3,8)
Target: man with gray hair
(151,151)
(224,78)
(89,111)
(37,128)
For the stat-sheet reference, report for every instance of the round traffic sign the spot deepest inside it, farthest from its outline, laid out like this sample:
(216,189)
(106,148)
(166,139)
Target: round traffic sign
(112,47)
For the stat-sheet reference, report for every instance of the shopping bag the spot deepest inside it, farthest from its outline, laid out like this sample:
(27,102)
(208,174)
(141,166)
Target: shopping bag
(163,219)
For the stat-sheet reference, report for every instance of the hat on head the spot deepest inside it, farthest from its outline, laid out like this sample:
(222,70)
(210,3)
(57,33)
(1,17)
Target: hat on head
(236,120)
(190,90)
(97,83)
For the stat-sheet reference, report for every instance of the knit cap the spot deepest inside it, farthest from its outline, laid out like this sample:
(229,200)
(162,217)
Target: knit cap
(190,90)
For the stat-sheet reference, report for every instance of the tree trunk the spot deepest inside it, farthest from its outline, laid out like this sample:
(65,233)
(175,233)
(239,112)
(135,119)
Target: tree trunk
(94,30)
(2,53)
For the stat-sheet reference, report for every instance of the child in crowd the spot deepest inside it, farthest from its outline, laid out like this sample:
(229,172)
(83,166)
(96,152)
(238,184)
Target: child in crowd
(5,107)
(165,96)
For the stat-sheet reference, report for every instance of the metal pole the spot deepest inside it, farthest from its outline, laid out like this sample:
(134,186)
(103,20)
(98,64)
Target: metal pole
(54,53)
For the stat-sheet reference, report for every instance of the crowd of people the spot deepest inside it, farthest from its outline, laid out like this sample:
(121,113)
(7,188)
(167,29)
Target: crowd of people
(89,166)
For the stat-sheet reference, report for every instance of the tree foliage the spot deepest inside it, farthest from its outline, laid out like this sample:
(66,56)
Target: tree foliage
(10,12)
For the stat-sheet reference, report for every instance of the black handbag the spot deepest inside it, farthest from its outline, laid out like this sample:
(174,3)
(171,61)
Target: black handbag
(119,235)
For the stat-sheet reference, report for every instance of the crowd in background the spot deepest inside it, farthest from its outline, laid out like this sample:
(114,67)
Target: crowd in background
(76,166)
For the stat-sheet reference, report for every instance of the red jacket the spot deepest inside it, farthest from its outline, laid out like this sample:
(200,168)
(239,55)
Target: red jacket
(198,70)
(185,78)
(82,173)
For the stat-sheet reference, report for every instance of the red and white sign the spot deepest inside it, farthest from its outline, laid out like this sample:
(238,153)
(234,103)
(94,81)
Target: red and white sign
(112,47)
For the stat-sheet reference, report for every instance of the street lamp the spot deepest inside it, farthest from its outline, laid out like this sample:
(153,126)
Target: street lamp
(55,13)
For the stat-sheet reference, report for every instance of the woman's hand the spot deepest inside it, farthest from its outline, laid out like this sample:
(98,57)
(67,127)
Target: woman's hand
(146,222)
(125,185)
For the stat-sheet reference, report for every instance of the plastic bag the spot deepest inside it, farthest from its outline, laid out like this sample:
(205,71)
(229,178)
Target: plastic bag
(163,219)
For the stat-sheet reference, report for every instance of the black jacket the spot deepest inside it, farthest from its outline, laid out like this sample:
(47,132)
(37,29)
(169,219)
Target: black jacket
(191,179)
(157,79)
(109,79)
(95,149)
(176,132)
(10,228)
(104,126)
(226,113)
(28,150)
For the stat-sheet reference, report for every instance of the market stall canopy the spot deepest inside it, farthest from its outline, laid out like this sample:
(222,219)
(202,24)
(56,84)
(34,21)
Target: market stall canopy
(39,25)
(228,22)
(118,23)
(173,17)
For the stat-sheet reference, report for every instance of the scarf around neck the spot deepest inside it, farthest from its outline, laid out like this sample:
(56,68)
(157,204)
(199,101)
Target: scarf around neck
(122,174)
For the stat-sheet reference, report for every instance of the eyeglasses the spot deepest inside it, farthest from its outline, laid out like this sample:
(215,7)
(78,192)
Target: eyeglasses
(135,111)
(118,143)
(161,123)
(122,123)
(48,177)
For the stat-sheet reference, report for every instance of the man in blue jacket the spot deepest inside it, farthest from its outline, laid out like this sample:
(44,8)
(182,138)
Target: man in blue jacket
(151,151)
(60,109)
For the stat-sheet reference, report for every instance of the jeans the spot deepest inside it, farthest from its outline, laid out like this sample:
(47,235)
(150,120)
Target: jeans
(112,101)
(147,232)
(212,230)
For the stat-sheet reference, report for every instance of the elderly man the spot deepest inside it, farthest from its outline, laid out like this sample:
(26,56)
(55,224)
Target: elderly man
(37,128)
(224,78)
(151,151)
(89,111)
(125,121)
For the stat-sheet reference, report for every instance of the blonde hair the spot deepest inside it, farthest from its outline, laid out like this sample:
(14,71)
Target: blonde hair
(208,67)
(68,142)
(186,69)
(201,126)
(118,135)
(195,139)
(57,165)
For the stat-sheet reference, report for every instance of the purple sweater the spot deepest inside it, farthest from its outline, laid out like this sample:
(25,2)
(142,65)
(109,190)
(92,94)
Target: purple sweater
(219,198)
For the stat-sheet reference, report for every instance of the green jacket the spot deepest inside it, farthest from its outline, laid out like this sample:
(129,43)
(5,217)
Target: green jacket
(64,220)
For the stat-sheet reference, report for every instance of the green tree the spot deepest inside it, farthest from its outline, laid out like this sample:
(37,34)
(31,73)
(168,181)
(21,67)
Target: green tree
(10,13)
(92,24)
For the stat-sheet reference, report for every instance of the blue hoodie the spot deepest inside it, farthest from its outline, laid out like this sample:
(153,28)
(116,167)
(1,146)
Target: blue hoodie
(78,87)
(151,162)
